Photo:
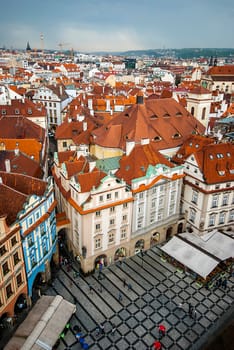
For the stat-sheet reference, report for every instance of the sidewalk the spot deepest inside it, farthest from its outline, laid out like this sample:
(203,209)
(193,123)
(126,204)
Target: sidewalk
(159,295)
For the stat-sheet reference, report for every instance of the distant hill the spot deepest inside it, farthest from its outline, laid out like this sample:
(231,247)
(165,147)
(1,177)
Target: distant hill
(177,53)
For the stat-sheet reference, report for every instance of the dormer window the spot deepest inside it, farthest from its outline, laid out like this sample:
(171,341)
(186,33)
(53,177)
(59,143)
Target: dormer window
(219,155)
(3,111)
(176,136)
(157,138)
(29,111)
(17,111)
(221,172)
(166,115)
(178,113)
(153,116)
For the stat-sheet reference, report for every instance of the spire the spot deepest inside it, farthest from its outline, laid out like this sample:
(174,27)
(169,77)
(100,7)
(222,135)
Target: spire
(28,48)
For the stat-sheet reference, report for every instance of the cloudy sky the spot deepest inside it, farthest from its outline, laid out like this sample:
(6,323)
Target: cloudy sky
(117,25)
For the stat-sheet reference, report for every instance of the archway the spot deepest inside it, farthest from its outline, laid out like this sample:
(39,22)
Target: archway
(155,238)
(120,253)
(37,286)
(21,304)
(139,246)
(100,262)
(169,233)
(180,228)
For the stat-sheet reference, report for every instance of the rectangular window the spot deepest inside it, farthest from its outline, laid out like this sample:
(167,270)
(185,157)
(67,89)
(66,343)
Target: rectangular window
(98,243)
(100,198)
(125,205)
(160,215)
(225,198)
(108,196)
(153,203)
(112,222)
(161,201)
(231,215)
(141,195)
(125,218)
(214,201)
(221,218)
(13,241)
(64,144)
(16,258)
(98,227)
(9,291)
(3,250)
(123,233)
(111,237)
(19,280)
(33,258)
(192,215)
(116,195)
(194,197)
(98,213)
(212,220)
(5,268)
(112,209)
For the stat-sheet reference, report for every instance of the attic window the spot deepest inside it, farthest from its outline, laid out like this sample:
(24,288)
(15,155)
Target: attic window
(153,116)
(178,113)
(211,156)
(126,115)
(127,167)
(228,154)
(157,138)
(176,136)
(196,145)
(126,137)
(179,155)
(166,114)
(16,111)
(221,172)
(190,144)
(3,111)
(29,111)
(219,155)
(142,168)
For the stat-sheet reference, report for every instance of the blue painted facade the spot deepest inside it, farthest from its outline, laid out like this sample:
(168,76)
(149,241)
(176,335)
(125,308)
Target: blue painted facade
(38,233)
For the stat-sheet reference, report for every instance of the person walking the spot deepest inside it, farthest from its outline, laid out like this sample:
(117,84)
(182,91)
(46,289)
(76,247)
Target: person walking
(120,297)
(113,329)
(124,282)
(157,345)
(129,286)
(102,328)
(161,330)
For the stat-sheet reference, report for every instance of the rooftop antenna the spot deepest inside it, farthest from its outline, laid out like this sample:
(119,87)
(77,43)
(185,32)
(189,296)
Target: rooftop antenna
(42,43)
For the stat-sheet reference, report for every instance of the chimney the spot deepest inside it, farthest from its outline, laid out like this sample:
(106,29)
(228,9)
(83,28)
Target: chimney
(129,147)
(140,100)
(144,141)
(84,126)
(60,90)
(8,165)
(90,103)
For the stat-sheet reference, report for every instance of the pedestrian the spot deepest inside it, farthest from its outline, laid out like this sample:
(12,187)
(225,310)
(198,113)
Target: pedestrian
(70,283)
(91,289)
(157,345)
(100,289)
(162,330)
(124,282)
(120,296)
(224,283)
(129,286)
(113,329)
(102,328)
(190,310)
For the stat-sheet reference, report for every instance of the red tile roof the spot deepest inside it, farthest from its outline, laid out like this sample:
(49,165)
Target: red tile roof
(163,121)
(89,180)
(135,164)
(21,164)
(221,70)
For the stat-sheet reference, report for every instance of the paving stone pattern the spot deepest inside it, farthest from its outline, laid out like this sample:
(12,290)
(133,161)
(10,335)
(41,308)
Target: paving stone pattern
(158,294)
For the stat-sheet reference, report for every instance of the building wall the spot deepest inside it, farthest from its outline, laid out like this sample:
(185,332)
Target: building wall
(13,281)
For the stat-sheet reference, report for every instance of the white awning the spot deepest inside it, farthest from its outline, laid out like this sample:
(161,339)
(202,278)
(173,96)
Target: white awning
(216,243)
(43,325)
(189,256)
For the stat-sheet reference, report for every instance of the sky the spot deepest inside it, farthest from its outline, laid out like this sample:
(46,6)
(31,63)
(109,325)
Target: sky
(116,25)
